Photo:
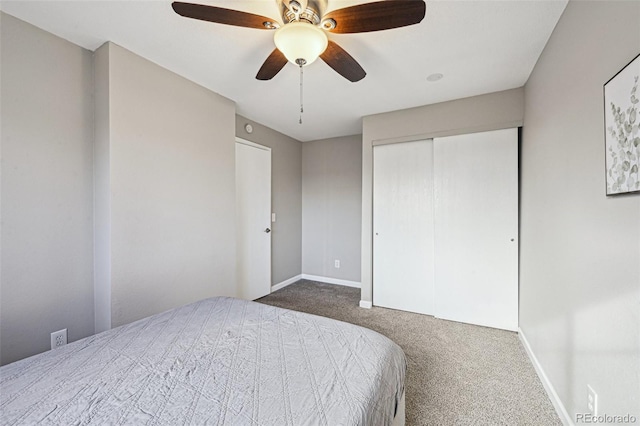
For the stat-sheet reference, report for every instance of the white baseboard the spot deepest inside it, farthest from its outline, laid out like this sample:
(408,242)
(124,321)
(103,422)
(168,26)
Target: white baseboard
(553,396)
(285,283)
(330,280)
(365,304)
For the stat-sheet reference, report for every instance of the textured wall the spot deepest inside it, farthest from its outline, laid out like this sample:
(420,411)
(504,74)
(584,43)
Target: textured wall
(172,189)
(331,203)
(47,194)
(580,250)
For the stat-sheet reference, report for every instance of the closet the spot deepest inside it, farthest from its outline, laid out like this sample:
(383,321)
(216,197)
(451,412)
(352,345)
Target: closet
(445,227)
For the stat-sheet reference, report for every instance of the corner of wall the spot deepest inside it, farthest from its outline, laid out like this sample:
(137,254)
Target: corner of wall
(101,192)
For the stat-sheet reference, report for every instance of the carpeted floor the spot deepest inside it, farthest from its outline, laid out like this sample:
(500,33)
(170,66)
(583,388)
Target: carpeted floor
(458,374)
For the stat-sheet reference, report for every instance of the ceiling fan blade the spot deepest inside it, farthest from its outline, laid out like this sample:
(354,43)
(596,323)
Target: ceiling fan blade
(342,63)
(377,16)
(223,16)
(272,66)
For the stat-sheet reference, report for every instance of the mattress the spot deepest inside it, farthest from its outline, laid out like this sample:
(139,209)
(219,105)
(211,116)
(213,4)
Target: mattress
(219,361)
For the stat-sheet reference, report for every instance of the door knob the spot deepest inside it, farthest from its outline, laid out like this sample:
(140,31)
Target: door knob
(267,230)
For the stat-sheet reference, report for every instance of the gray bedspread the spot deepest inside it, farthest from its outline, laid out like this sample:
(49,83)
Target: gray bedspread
(217,361)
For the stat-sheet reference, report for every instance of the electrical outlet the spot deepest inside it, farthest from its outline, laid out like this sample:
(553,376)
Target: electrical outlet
(592,401)
(337,264)
(58,338)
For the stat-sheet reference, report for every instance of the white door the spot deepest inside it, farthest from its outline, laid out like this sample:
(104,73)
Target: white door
(253,219)
(403,258)
(476,216)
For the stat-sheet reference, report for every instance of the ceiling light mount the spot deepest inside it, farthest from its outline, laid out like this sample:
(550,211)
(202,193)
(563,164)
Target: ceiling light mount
(307,15)
(310,11)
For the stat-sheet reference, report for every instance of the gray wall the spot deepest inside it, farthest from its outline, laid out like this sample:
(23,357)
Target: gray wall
(102,192)
(580,250)
(331,207)
(172,189)
(493,111)
(286,197)
(47,195)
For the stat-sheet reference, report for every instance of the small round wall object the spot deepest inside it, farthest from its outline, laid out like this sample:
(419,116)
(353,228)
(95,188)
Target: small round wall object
(248,128)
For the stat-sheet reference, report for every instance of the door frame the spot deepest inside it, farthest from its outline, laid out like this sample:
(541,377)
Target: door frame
(253,144)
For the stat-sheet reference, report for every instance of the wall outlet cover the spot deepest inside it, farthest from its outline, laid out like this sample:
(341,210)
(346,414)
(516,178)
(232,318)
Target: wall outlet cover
(58,338)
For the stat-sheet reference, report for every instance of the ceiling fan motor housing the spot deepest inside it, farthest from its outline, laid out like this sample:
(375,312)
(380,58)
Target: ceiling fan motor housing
(310,11)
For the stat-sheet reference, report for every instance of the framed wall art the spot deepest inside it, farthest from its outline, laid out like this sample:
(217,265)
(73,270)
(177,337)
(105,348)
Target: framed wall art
(622,136)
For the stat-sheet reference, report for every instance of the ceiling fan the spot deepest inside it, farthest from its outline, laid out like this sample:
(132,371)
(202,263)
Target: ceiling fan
(302,36)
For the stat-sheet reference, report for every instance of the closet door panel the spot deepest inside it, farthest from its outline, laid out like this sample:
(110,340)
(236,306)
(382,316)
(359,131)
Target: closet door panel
(403,259)
(476,228)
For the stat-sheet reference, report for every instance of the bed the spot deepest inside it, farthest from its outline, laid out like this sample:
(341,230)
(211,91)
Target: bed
(217,361)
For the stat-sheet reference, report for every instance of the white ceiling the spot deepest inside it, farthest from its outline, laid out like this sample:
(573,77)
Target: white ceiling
(479,46)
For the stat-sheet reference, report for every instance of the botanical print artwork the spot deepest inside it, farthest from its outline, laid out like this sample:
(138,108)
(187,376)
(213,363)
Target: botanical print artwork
(622,137)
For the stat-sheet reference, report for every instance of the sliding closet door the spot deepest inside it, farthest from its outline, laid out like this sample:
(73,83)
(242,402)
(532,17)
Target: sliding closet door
(403,226)
(476,216)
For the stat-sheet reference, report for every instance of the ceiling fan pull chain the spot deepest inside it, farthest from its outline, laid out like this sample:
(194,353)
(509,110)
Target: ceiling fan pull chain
(300,63)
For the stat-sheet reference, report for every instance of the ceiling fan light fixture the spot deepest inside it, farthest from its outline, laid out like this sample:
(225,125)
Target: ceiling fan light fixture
(300,40)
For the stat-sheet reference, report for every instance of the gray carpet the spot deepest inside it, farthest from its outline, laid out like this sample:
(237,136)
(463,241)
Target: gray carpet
(458,374)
